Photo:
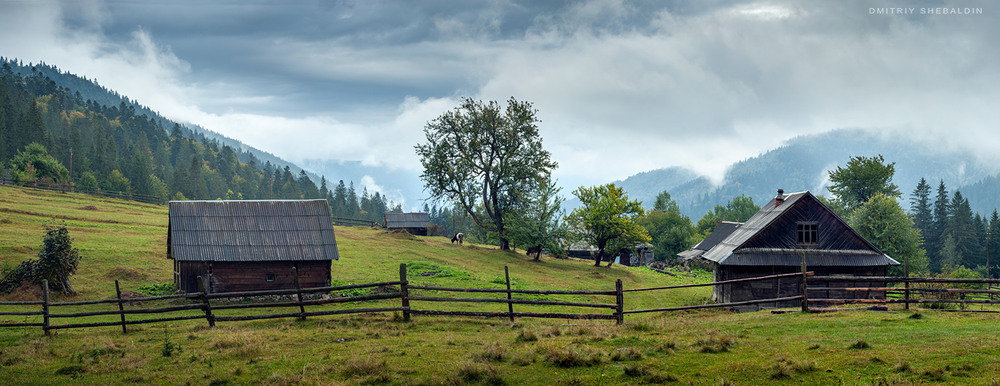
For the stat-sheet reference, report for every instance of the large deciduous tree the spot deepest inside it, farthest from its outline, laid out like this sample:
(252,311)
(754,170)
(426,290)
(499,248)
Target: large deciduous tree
(863,178)
(607,220)
(485,158)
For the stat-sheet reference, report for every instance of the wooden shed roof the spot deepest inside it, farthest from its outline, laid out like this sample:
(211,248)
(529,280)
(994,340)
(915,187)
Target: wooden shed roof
(249,230)
(407,220)
(746,244)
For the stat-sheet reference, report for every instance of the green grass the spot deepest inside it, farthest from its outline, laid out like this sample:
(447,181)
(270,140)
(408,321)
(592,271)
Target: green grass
(691,347)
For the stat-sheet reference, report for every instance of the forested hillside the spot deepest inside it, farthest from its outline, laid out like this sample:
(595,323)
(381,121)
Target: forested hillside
(51,134)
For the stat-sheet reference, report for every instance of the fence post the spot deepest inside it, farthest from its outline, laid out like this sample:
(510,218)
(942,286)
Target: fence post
(203,288)
(298,293)
(805,294)
(45,306)
(906,284)
(620,301)
(510,306)
(121,306)
(404,291)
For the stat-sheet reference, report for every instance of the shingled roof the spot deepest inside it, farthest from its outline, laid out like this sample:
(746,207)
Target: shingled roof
(249,230)
(406,220)
(751,243)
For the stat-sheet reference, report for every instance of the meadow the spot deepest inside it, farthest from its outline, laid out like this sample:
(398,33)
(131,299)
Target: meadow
(127,241)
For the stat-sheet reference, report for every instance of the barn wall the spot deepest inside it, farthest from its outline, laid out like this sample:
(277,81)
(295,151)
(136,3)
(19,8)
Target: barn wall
(252,276)
(186,274)
(785,287)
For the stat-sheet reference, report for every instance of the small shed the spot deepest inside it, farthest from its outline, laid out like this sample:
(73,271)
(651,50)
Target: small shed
(413,223)
(787,231)
(251,245)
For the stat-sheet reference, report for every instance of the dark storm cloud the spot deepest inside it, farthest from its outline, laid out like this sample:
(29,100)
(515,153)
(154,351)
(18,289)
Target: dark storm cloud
(696,83)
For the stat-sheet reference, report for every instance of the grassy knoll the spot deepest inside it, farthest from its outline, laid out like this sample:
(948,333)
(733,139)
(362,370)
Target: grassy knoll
(700,347)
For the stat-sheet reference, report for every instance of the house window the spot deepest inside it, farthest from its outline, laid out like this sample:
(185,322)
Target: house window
(269,278)
(807,235)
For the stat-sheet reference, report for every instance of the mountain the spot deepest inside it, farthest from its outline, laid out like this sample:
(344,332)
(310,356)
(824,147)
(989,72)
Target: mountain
(802,163)
(58,129)
(85,89)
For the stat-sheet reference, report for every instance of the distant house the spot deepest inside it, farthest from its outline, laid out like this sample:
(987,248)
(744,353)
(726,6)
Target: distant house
(640,256)
(787,230)
(413,223)
(251,245)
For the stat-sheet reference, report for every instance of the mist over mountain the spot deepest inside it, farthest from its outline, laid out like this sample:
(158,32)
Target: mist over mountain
(802,163)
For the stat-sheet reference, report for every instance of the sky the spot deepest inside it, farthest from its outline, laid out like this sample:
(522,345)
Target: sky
(621,87)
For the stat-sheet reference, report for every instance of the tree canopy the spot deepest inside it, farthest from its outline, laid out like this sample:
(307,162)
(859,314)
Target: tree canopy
(863,178)
(881,221)
(607,220)
(487,159)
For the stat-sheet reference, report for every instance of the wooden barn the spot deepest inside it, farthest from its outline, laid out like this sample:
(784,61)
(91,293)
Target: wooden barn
(251,245)
(413,223)
(776,239)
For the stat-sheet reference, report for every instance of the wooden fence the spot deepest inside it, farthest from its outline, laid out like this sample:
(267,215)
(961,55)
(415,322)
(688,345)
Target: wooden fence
(200,305)
(914,290)
(354,222)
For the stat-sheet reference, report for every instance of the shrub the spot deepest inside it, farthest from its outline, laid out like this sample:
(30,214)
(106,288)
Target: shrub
(58,259)
(157,289)
(716,344)
(860,345)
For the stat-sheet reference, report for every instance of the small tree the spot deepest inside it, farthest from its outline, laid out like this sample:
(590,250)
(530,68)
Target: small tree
(58,259)
(607,220)
(34,163)
(536,226)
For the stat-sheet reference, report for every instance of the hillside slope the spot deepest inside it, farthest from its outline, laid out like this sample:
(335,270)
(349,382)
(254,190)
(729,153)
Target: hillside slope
(127,240)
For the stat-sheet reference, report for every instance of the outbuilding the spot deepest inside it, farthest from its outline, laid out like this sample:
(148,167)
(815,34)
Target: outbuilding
(250,245)
(414,223)
(787,231)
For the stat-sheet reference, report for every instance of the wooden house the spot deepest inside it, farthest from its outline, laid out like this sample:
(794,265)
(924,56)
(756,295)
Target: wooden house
(785,232)
(413,223)
(251,245)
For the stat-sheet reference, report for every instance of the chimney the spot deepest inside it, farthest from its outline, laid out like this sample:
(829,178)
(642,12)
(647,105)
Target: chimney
(780,198)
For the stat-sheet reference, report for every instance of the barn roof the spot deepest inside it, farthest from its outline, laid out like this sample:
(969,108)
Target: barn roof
(407,220)
(249,230)
(722,231)
(733,249)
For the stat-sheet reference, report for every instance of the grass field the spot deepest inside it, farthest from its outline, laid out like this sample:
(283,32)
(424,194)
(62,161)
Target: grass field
(125,240)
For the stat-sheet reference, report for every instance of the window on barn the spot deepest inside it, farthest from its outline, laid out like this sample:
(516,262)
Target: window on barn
(269,278)
(807,235)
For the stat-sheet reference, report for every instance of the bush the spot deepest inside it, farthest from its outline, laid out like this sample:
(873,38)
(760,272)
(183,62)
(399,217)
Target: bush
(157,289)
(58,259)
(12,277)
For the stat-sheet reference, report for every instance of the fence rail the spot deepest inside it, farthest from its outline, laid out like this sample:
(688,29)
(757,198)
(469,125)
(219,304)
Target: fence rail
(133,311)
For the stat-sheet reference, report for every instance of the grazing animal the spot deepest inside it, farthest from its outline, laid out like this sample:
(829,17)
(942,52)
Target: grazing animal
(458,237)
(536,250)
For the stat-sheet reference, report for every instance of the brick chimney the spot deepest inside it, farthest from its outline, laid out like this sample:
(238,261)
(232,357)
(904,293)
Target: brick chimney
(780,198)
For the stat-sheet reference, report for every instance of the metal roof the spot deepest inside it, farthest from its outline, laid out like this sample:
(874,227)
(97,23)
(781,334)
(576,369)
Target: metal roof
(407,220)
(733,249)
(251,230)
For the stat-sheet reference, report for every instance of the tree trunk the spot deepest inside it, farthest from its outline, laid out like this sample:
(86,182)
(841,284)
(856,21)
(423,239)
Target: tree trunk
(598,257)
(538,255)
(504,244)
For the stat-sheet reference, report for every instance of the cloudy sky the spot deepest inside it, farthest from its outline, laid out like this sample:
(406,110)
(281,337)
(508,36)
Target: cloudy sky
(621,86)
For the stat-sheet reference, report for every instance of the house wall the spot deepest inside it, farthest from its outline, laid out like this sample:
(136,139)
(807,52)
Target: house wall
(252,276)
(791,286)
